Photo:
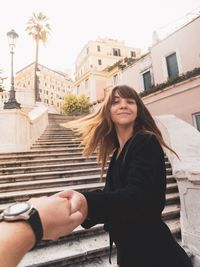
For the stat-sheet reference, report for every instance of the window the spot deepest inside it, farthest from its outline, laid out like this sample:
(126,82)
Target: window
(78,89)
(87,50)
(133,54)
(99,62)
(197,121)
(147,80)
(98,48)
(86,84)
(172,66)
(115,79)
(116,52)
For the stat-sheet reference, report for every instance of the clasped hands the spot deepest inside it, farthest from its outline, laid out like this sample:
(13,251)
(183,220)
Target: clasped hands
(60,213)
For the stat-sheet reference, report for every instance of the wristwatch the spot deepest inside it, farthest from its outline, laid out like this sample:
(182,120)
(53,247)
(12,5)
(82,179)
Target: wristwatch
(24,211)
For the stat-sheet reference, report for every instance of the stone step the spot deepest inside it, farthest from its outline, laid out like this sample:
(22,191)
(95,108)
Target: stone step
(63,141)
(59,132)
(7,197)
(8,170)
(57,139)
(48,168)
(171,198)
(50,183)
(53,135)
(31,152)
(49,175)
(65,148)
(55,174)
(35,162)
(45,154)
(171,211)
(67,145)
(78,254)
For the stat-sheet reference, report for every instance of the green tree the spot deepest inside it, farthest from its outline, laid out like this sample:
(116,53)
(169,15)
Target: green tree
(84,104)
(1,81)
(76,105)
(39,29)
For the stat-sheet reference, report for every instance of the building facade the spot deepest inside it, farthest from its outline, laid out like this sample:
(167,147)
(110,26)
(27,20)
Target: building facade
(167,59)
(4,96)
(52,85)
(91,75)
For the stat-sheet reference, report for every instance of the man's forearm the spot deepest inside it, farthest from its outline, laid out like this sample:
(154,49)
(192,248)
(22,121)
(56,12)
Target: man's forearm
(11,247)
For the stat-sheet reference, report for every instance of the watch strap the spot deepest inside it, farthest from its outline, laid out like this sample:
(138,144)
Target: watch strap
(36,224)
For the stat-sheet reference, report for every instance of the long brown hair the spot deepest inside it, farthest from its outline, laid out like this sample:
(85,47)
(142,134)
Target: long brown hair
(98,131)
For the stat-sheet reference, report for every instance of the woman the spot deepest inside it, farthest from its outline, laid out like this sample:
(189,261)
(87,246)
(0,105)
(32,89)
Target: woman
(132,201)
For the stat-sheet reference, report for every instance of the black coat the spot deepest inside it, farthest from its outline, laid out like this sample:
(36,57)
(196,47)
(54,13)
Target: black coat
(131,204)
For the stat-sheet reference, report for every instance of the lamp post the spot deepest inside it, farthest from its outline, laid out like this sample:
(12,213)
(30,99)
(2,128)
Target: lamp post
(36,78)
(60,106)
(12,103)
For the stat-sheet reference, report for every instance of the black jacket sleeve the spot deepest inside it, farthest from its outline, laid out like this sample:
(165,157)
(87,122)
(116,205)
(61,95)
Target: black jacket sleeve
(144,184)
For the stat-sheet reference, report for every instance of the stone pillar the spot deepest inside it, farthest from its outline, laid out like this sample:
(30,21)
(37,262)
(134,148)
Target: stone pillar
(185,140)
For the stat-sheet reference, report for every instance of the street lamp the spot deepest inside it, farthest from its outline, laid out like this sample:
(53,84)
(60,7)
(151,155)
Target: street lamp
(60,106)
(37,74)
(12,103)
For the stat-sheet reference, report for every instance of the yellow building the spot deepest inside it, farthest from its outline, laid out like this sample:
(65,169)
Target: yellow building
(52,85)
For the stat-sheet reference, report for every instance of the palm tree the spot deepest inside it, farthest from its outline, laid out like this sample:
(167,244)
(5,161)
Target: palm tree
(39,29)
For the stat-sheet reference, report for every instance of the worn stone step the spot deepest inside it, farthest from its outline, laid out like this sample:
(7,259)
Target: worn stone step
(74,137)
(65,148)
(171,211)
(7,197)
(48,168)
(59,129)
(48,175)
(54,174)
(66,145)
(64,135)
(34,162)
(49,183)
(83,249)
(63,141)
(36,151)
(41,154)
(59,133)
(171,198)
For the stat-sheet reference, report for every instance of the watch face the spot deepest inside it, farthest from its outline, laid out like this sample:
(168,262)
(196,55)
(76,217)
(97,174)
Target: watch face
(17,209)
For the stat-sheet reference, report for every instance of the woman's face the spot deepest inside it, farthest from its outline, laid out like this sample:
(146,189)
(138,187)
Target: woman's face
(123,111)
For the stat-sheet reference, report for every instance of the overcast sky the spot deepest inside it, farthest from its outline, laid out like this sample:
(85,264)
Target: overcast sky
(75,22)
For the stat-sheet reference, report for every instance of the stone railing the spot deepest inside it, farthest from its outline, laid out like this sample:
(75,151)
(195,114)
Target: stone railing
(20,130)
(185,140)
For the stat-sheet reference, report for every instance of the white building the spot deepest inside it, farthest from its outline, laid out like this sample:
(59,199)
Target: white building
(90,74)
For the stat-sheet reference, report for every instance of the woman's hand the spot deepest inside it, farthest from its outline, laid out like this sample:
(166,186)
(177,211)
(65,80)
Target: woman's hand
(77,200)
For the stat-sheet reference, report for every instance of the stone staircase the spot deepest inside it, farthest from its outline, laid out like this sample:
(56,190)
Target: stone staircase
(55,163)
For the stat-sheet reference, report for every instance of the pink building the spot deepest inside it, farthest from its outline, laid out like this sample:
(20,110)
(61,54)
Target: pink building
(175,55)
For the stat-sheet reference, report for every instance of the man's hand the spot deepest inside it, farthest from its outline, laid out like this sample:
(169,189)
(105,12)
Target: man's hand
(56,215)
